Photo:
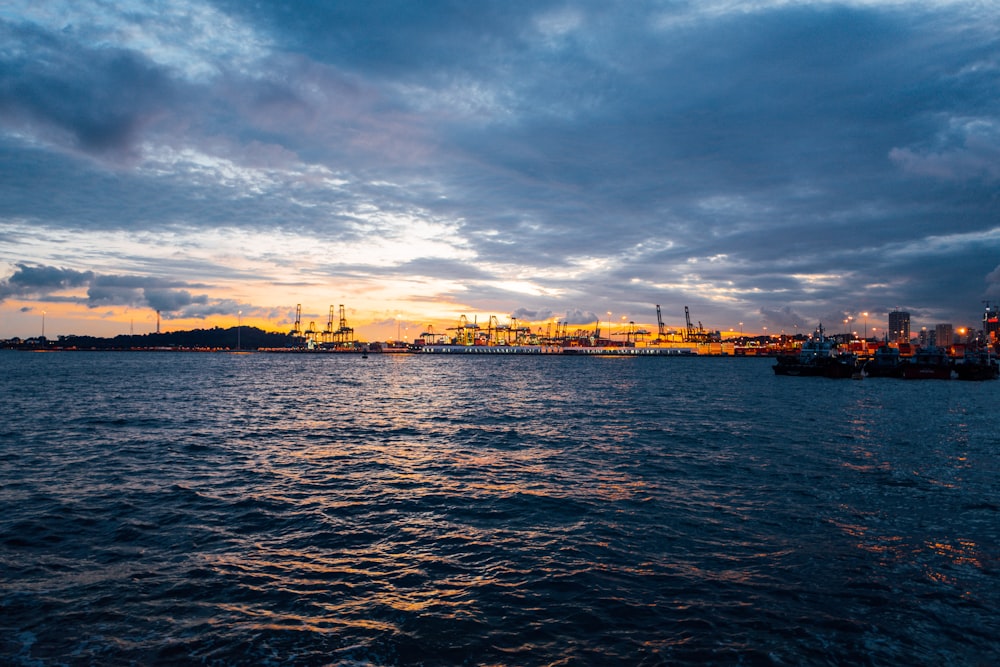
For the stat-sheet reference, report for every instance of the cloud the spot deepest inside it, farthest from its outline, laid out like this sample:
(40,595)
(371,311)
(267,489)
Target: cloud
(532,315)
(969,149)
(45,283)
(579,317)
(782,318)
(92,99)
(772,160)
(33,280)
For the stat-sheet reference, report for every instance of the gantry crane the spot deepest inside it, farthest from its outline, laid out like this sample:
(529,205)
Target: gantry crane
(297,329)
(699,335)
(328,331)
(688,327)
(344,334)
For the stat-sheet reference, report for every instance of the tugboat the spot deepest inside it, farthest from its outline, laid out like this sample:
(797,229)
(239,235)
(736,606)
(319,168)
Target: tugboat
(818,357)
(885,363)
(929,363)
(978,366)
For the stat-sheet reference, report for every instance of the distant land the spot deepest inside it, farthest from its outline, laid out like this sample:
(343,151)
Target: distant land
(245,338)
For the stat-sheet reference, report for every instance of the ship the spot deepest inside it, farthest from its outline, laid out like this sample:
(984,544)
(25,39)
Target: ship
(819,357)
(885,363)
(978,366)
(929,363)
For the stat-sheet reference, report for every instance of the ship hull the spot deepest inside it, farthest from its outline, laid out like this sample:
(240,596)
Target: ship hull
(917,372)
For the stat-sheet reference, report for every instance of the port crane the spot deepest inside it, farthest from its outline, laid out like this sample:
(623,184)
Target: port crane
(344,334)
(633,333)
(465,333)
(699,335)
(689,335)
(662,332)
(494,331)
(328,331)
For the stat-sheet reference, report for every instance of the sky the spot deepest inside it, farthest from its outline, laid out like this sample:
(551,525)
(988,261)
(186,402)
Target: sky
(766,163)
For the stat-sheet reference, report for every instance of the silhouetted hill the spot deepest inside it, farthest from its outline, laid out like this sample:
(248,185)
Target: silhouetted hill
(249,338)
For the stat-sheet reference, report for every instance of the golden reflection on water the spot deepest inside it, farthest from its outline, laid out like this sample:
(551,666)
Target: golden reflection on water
(261,618)
(966,552)
(526,470)
(936,560)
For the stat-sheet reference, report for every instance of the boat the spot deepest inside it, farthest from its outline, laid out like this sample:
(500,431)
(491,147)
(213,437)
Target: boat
(929,363)
(819,357)
(978,366)
(885,363)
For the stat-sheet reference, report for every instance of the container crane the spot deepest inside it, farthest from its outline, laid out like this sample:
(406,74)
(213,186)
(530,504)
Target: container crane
(699,335)
(328,331)
(344,334)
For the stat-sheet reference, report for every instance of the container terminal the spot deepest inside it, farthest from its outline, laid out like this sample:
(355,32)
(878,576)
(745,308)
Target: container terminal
(556,337)
(496,337)
(512,337)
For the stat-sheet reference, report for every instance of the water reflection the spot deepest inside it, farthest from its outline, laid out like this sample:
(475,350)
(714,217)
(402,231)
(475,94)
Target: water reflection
(509,511)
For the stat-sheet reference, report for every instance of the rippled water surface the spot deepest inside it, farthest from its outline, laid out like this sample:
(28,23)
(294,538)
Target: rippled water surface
(172,508)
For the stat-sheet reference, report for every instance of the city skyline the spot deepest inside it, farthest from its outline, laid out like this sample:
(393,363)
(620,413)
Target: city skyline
(769,164)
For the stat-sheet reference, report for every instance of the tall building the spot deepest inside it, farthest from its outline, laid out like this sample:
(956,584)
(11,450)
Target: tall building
(944,335)
(899,326)
(991,322)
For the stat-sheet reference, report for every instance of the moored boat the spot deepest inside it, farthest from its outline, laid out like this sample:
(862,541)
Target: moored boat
(929,363)
(819,357)
(978,366)
(886,362)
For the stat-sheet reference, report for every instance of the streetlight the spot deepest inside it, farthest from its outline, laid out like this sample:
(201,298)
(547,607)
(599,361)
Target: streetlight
(239,328)
(866,325)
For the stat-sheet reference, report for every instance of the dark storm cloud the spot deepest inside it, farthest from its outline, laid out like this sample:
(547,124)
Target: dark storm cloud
(110,295)
(31,280)
(171,300)
(99,97)
(44,283)
(579,317)
(393,39)
(201,308)
(530,315)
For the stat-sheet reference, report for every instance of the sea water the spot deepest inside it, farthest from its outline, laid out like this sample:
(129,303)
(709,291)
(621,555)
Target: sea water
(277,509)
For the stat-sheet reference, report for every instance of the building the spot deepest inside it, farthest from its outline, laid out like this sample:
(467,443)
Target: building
(944,335)
(926,338)
(899,326)
(991,322)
